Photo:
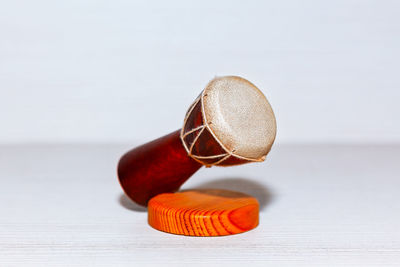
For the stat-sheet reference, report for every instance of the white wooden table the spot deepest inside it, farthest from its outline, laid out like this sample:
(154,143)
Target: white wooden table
(61,205)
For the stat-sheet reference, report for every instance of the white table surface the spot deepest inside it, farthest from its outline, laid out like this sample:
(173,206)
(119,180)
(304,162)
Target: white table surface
(322,205)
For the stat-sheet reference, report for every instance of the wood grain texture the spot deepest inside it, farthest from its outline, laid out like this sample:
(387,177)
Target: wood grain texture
(207,212)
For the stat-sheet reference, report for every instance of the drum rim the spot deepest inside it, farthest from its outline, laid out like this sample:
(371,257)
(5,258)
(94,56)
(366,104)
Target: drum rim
(207,126)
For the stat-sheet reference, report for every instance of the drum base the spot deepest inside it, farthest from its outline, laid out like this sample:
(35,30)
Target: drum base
(208,212)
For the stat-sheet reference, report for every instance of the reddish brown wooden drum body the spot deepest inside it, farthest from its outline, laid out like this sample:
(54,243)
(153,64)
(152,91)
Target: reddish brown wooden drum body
(157,167)
(230,123)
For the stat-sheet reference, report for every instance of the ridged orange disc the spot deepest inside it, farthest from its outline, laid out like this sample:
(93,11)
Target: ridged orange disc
(208,212)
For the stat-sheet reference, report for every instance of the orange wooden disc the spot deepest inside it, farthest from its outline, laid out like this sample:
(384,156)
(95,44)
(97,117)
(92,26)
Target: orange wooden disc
(208,212)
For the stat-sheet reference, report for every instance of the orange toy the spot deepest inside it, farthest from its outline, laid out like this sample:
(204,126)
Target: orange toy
(211,212)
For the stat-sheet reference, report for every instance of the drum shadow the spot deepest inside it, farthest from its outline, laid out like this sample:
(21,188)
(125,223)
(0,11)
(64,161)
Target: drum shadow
(242,185)
(263,194)
(127,203)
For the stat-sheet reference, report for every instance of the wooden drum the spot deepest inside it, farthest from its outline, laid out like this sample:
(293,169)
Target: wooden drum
(230,123)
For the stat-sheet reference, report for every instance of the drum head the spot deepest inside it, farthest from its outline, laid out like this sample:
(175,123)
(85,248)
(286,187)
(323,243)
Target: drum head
(239,116)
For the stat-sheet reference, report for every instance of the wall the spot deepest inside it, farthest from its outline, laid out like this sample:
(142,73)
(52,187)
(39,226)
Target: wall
(125,71)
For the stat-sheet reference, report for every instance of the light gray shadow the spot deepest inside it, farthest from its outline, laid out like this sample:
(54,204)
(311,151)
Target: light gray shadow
(244,185)
(127,203)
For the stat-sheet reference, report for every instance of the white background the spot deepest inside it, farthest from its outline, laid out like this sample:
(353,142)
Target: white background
(126,71)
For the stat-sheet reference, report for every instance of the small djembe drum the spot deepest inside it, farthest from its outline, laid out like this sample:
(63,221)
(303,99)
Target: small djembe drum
(230,123)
